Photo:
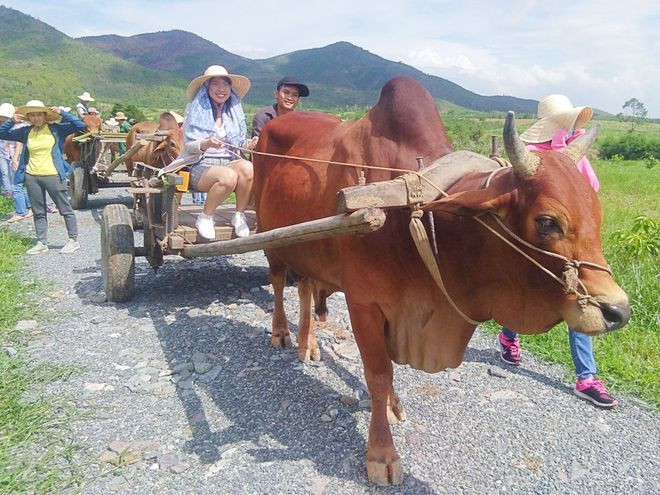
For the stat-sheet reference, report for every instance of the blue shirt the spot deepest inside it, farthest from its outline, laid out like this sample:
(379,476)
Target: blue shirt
(60,131)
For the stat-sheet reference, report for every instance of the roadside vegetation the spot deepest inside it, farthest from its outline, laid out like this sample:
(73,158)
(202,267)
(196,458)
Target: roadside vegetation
(35,451)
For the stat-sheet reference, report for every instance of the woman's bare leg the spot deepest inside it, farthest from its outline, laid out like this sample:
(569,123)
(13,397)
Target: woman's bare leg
(244,172)
(218,182)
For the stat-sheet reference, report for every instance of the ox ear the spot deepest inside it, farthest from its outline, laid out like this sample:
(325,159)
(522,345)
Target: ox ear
(469,203)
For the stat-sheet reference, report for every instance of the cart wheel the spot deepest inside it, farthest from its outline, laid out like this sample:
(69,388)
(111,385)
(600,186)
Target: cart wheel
(117,253)
(78,187)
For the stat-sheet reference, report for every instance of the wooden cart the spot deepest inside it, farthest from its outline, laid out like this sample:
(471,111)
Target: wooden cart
(89,173)
(169,228)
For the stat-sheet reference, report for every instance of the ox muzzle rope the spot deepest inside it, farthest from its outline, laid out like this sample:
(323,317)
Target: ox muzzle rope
(569,279)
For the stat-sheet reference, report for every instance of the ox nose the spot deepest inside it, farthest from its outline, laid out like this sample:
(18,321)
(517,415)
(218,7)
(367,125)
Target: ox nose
(615,316)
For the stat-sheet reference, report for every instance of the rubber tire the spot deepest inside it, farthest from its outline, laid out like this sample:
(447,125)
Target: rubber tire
(78,187)
(117,253)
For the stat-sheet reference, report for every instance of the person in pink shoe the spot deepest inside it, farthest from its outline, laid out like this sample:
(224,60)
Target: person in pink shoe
(558,124)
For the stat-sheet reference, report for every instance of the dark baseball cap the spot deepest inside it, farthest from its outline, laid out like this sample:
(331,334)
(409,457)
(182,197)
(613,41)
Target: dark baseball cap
(292,81)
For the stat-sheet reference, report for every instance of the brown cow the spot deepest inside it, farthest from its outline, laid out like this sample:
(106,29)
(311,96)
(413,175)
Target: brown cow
(156,154)
(72,148)
(397,311)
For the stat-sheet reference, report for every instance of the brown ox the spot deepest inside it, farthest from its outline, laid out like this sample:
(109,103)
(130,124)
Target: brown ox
(156,154)
(397,312)
(72,148)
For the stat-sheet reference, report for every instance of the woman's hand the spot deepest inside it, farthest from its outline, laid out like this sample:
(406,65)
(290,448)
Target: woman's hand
(211,142)
(14,165)
(56,110)
(252,143)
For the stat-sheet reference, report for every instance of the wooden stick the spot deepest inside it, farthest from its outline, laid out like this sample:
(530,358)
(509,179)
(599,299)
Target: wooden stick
(152,137)
(134,149)
(393,193)
(359,222)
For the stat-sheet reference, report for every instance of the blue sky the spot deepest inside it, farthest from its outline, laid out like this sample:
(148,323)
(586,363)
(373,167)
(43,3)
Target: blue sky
(599,53)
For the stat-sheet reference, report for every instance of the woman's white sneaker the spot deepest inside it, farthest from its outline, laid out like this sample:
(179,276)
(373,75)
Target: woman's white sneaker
(71,246)
(241,228)
(38,248)
(205,226)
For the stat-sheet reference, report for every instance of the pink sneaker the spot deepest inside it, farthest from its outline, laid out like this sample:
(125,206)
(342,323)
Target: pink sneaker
(509,350)
(594,391)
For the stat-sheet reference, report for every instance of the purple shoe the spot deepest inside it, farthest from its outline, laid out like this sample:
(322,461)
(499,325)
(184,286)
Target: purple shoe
(509,350)
(595,392)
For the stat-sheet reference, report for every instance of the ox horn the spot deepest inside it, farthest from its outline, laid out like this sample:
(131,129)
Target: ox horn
(578,148)
(524,162)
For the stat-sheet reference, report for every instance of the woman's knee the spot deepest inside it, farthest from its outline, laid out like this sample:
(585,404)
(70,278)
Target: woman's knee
(245,170)
(227,179)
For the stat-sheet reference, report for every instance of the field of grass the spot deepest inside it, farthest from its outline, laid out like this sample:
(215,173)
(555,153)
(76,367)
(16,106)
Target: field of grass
(35,453)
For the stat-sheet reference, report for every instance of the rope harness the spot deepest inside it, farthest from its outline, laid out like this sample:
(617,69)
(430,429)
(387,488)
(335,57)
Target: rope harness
(569,279)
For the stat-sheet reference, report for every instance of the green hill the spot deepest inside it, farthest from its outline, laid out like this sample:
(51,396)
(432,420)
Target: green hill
(340,74)
(39,62)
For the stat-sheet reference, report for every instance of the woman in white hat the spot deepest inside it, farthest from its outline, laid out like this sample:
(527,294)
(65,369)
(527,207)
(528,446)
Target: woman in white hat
(82,106)
(42,167)
(214,122)
(559,123)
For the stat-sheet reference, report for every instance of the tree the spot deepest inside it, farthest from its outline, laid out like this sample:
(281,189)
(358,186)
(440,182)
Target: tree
(130,110)
(637,110)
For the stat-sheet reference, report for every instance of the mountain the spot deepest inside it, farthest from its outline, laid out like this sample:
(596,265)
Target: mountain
(340,74)
(175,51)
(40,62)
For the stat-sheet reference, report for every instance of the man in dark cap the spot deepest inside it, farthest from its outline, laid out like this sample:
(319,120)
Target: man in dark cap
(288,93)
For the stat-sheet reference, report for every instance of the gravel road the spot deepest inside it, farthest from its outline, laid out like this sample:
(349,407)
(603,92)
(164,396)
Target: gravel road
(182,389)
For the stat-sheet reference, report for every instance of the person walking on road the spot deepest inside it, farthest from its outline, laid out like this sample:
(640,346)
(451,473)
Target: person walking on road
(42,166)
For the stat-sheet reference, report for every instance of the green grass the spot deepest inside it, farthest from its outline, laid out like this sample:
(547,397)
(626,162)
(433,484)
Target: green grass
(35,451)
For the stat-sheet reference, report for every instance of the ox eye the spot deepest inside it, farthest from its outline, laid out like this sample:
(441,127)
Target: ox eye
(547,225)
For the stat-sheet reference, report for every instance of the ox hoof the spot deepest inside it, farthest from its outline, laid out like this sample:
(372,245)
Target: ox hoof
(385,473)
(306,354)
(396,413)
(281,341)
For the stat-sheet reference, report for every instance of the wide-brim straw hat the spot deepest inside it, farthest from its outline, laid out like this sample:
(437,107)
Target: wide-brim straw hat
(7,110)
(120,116)
(36,106)
(111,122)
(178,118)
(86,96)
(240,84)
(556,112)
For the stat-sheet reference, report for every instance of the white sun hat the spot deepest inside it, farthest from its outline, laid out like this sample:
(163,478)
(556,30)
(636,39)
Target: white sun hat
(112,122)
(37,106)
(7,110)
(556,112)
(86,96)
(178,118)
(240,84)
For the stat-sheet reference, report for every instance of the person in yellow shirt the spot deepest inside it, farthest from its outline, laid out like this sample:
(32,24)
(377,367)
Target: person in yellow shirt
(42,166)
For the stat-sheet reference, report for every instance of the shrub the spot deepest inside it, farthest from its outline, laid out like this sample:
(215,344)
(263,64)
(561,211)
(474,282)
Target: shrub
(131,111)
(643,238)
(630,146)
